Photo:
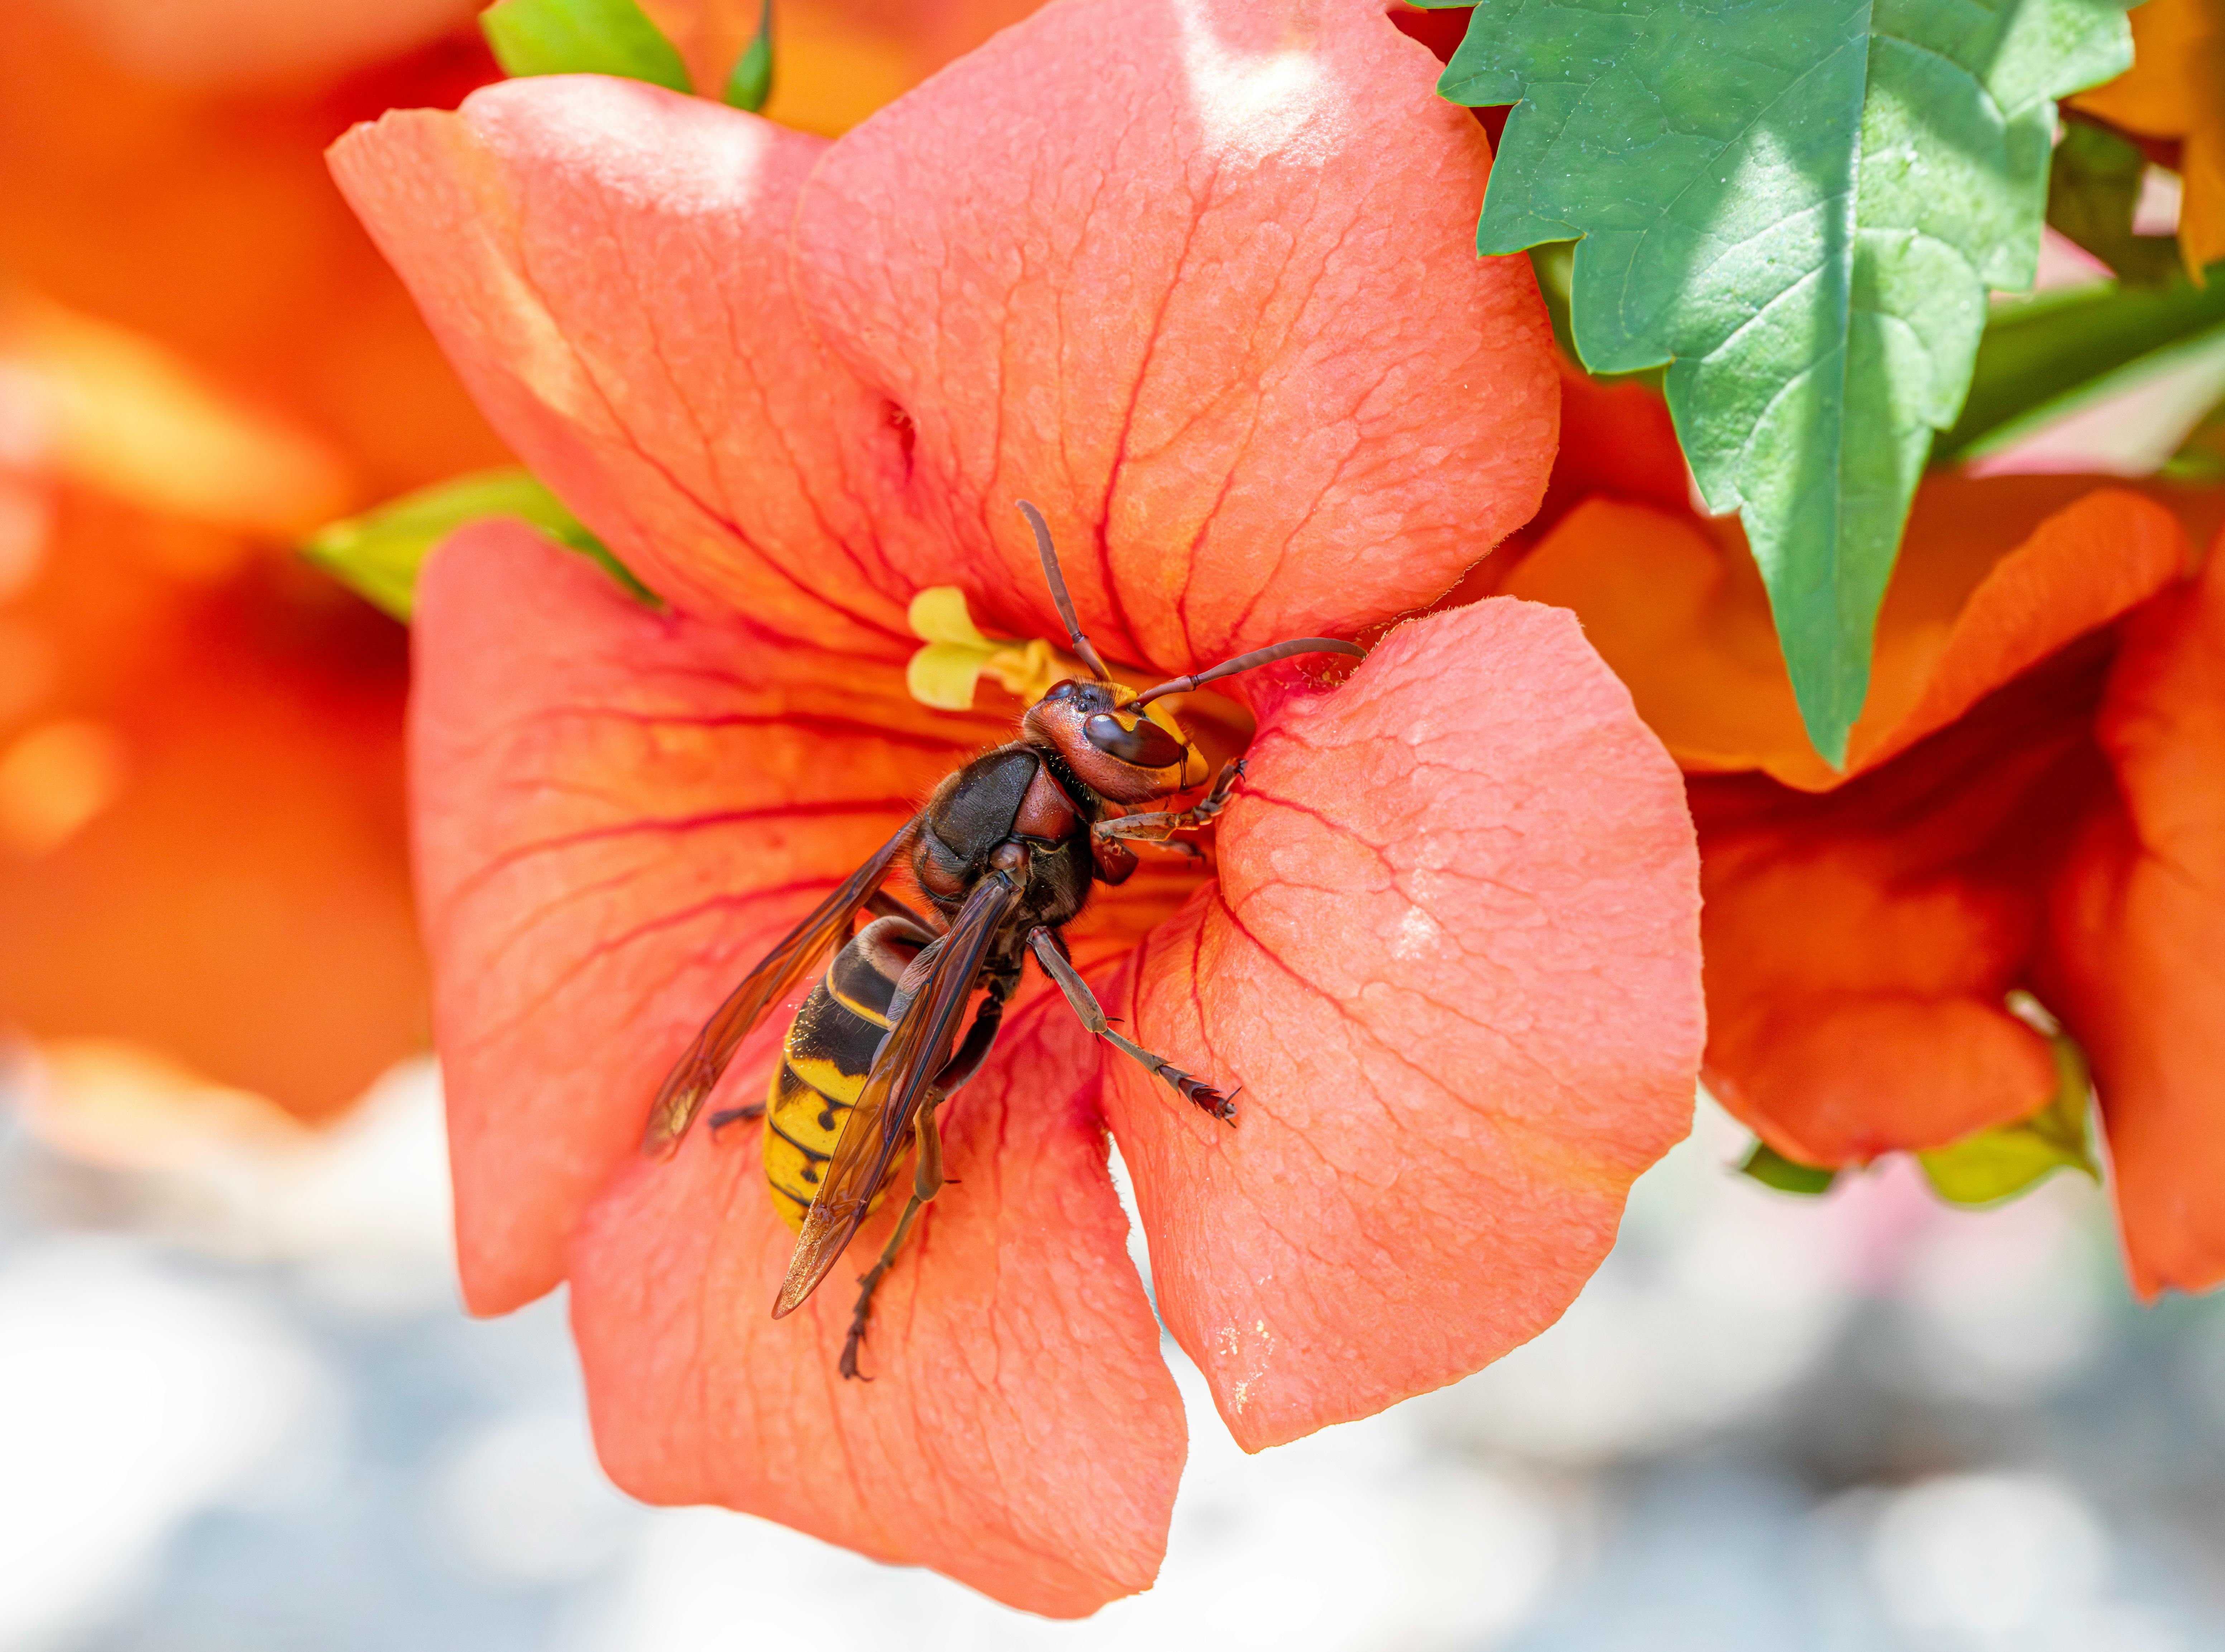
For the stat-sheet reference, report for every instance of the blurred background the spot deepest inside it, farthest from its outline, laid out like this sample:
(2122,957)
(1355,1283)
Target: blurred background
(239,1405)
(239,1409)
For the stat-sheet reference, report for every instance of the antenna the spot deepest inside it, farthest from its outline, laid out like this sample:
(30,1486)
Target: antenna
(1082,649)
(1245,661)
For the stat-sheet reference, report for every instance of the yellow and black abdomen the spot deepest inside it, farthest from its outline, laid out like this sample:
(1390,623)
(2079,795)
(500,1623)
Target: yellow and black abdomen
(826,1056)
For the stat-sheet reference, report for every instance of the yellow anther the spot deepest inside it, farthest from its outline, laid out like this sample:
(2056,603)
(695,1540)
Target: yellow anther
(945,672)
(956,656)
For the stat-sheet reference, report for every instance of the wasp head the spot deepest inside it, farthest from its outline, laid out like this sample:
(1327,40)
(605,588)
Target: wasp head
(1120,754)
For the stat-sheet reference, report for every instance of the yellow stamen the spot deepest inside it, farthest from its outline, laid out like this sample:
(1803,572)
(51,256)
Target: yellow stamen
(945,672)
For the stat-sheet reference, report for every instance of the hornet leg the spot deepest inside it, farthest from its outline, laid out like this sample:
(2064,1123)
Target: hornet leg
(926,1169)
(870,1282)
(1156,827)
(1044,943)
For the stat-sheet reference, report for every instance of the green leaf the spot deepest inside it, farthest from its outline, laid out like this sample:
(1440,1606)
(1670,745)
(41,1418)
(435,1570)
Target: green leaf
(378,554)
(2092,189)
(1772,1169)
(581,37)
(1554,265)
(1999,1163)
(1798,206)
(2044,355)
(751,83)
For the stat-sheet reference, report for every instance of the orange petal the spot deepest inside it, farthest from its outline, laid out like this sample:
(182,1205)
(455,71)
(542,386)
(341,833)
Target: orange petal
(1953,641)
(1682,620)
(2176,89)
(834,61)
(1995,576)
(1221,318)
(1023,1435)
(606,262)
(203,218)
(201,844)
(1861,942)
(618,812)
(202,839)
(1617,440)
(125,417)
(230,43)
(2137,950)
(1856,1006)
(1451,961)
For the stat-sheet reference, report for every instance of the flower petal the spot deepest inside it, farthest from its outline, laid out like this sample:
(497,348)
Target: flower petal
(230,44)
(1682,620)
(1023,1437)
(202,219)
(1955,641)
(1452,958)
(1861,942)
(2176,89)
(1616,438)
(1222,319)
(605,263)
(226,880)
(835,61)
(1995,576)
(618,812)
(2138,937)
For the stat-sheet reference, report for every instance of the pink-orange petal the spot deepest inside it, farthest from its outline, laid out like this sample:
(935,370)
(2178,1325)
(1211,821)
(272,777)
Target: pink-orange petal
(1452,959)
(617,812)
(1200,280)
(605,263)
(2138,952)
(1021,1435)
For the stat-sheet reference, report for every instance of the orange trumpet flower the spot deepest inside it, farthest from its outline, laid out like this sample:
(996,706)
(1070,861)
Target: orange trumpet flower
(2034,800)
(1201,281)
(202,866)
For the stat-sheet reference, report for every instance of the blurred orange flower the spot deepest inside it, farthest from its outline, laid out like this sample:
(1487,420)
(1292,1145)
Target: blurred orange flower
(201,850)
(2034,799)
(201,359)
(2175,92)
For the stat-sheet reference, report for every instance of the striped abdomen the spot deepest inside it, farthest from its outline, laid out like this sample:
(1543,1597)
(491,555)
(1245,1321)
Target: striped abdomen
(828,1054)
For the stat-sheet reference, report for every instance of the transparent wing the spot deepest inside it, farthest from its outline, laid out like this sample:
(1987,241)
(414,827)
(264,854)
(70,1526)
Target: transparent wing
(912,1055)
(696,1072)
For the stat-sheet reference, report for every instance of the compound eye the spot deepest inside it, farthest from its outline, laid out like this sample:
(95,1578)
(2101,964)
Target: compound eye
(1064,688)
(1147,745)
